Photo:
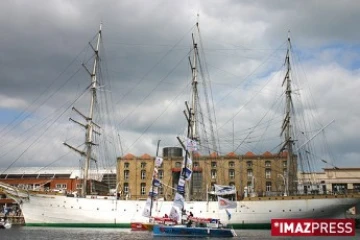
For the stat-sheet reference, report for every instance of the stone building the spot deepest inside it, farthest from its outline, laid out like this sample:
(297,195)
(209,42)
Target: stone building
(257,174)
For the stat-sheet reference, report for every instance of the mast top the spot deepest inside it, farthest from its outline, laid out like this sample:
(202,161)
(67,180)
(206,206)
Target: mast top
(289,35)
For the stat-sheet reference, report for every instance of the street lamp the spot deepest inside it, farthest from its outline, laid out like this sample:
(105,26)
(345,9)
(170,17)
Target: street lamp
(285,192)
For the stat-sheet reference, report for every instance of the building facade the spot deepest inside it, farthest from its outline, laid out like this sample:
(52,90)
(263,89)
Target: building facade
(256,174)
(331,180)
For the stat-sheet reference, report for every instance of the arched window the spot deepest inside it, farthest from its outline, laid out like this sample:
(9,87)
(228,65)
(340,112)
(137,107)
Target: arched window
(267,173)
(143,174)
(213,174)
(142,188)
(231,173)
(126,188)
(126,174)
(161,174)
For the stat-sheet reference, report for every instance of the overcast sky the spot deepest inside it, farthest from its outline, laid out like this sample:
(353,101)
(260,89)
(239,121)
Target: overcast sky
(145,52)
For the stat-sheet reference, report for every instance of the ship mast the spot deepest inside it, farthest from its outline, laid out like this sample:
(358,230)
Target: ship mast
(286,127)
(190,114)
(90,125)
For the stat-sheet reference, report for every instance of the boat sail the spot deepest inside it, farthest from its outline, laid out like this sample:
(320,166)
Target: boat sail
(250,212)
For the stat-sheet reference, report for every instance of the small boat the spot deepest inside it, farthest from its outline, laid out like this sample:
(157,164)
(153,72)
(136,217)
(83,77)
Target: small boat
(147,211)
(202,228)
(5,223)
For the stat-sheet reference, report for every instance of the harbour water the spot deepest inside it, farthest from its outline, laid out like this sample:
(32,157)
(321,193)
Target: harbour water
(37,233)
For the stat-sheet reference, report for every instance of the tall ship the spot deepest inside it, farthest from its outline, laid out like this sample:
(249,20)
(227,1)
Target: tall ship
(253,210)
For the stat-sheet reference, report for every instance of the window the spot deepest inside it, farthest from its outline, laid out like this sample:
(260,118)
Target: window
(61,186)
(126,174)
(161,190)
(213,174)
(267,173)
(142,189)
(78,186)
(268,186)
(284,164)
(126,188)
(231,173)
(197,182)
(126,165)
(284,172)
(178,164)
(356,187)
(267,164)
(196,164)
(213,164)
(161,174)
(143,165)
(143,174)
(249,164)
(231,164)
(249,173)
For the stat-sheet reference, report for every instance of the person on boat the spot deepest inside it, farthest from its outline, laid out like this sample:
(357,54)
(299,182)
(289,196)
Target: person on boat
(166,216)
(189,223)
(220,225)
(191,214)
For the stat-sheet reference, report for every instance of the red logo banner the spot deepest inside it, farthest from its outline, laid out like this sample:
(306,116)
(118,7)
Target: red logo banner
(313,227)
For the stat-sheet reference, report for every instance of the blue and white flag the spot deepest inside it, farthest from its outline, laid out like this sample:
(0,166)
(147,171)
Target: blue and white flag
(181,185)
(181,189)
(153,191)
(156,182)
(191,145)
(158,161)
(224,190)
(226,203)
(187,173)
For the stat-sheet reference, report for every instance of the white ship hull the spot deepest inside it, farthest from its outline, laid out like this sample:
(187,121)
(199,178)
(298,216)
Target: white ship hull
(49,210)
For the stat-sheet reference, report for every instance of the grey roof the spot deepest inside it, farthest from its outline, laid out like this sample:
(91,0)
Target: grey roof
(72,171)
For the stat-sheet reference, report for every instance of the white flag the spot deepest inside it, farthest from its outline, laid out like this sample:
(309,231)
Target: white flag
(158,161)
(189,163)
(226,203)
(179,201)
(146,211)
(174,214)
(181,182)
(191,145)
(224,190)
